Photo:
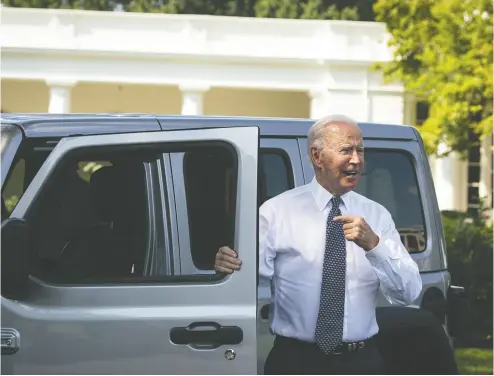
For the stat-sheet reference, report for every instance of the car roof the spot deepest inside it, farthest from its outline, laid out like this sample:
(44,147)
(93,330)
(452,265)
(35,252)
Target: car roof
(61,125)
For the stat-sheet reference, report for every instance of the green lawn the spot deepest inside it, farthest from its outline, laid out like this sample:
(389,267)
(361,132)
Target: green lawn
(474,361)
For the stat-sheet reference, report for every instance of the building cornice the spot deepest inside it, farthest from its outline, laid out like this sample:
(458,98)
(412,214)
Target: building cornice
(163,49)
(225,38)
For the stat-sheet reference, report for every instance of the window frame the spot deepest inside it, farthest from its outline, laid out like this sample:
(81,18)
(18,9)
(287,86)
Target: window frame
(31,151)
(10,150)
(51,166)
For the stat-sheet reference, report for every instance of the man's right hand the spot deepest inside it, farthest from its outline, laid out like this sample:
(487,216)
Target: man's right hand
(227,261)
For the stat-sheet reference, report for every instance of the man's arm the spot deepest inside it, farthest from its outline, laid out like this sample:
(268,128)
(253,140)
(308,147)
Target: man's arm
(227,260)
(398,273)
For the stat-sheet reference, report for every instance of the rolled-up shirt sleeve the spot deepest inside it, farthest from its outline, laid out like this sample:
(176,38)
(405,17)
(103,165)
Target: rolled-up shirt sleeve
(266,251)
(398,273)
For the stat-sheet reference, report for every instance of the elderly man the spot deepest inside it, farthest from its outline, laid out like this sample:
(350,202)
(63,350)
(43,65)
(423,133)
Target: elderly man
(328,250)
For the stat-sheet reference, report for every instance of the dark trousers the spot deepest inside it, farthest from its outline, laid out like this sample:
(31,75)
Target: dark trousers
(293,357)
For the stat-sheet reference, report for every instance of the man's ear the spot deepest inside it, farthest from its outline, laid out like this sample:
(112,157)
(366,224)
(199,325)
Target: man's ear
(315,156)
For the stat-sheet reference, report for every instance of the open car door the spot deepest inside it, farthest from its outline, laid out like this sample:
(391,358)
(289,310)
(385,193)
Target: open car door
(80,321)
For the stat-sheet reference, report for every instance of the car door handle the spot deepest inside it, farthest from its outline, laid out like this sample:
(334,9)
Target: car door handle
(206,334)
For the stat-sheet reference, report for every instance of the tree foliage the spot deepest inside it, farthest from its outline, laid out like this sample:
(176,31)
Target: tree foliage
(306,9)
(443,53)
(311,9)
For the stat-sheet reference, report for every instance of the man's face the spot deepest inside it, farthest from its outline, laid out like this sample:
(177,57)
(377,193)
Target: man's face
(341,160)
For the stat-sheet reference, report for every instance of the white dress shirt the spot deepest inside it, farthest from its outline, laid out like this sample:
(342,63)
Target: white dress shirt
(292,229)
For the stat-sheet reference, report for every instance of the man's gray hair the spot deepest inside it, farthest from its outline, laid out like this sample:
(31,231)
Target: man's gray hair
(315,136)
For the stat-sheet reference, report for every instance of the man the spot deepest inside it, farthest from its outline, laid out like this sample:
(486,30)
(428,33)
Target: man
(328,250)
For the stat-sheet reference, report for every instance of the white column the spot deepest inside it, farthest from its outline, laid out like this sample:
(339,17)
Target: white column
(450,181)
(485,183)
(60,95)
(192,99)
(319,103)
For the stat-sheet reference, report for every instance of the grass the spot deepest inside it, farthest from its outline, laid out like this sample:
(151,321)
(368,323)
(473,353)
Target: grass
(472,361)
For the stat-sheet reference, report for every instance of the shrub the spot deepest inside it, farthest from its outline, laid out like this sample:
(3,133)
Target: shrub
(469,247)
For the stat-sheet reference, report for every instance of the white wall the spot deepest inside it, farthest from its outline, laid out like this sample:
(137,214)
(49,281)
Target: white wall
(263,103)
(23,96)
(89,97)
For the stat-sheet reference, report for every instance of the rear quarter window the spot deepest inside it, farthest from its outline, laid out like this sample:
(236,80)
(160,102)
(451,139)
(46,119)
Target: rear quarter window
(390,179)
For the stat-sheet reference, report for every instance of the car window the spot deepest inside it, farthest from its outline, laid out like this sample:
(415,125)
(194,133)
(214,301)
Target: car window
(390,179)
(102,215)
(13,188)
(275,175)
(90,223)
(210,194)
(19,177)
(210,189)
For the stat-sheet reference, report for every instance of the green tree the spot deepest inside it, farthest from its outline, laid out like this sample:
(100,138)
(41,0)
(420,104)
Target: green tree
(443,53)
(105,5)
(211,7)
(307,9)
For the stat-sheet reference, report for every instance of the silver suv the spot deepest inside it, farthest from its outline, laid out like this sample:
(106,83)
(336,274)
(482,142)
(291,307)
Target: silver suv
(110,225)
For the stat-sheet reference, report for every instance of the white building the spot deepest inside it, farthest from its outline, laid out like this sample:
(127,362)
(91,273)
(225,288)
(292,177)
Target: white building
(83,61)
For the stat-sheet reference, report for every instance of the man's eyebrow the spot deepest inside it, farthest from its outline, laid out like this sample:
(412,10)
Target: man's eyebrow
(349,145)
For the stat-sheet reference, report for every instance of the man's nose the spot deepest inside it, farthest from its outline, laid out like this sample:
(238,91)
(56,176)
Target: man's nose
(355,159)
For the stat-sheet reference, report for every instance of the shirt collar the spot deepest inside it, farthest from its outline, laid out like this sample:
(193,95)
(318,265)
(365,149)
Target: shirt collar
(323,197)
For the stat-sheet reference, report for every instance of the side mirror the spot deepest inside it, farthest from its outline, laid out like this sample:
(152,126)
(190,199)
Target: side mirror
(14,257)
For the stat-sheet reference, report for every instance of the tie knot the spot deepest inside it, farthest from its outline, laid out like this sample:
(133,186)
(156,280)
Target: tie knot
(336,201)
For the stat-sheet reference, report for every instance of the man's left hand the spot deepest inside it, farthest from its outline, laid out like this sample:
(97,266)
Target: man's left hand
(358,231)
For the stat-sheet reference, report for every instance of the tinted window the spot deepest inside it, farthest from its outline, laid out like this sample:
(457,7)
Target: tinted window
(13,188)
(210,194)
(210,186)
(390,179)
(275,174)
(90,223)
(103,216)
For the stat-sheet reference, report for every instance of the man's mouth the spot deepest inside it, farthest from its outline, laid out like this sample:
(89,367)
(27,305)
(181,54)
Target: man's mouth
(351,173)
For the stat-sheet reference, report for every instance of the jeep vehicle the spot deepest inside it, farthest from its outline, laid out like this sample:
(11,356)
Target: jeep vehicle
(111,223)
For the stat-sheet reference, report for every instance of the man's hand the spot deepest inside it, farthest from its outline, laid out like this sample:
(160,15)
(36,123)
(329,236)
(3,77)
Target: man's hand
(358,231)
(226,261)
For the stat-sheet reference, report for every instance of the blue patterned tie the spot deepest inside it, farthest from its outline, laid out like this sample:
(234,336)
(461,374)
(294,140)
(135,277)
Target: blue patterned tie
(329,327)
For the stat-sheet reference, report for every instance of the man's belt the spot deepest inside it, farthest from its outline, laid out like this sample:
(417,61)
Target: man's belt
(343,348)
(350,347)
